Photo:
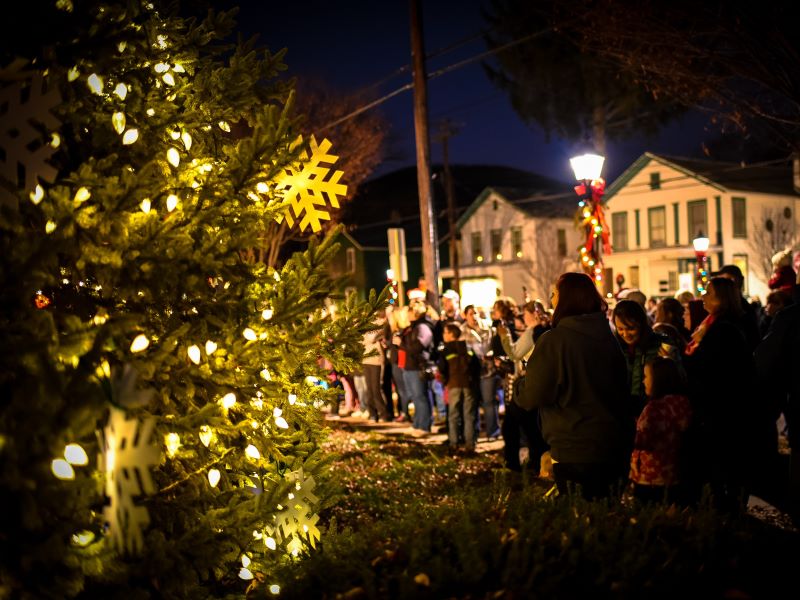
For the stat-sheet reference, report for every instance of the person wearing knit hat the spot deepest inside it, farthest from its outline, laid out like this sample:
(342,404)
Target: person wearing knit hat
(783,275)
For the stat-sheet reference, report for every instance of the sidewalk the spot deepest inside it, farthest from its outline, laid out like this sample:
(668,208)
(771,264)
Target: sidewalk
(392,428)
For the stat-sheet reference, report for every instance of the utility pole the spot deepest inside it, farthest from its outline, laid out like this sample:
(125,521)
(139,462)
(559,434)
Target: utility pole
(447,129)
(430,247)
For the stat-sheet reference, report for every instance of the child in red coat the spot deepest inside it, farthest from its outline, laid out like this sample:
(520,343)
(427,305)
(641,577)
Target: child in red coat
(657,449)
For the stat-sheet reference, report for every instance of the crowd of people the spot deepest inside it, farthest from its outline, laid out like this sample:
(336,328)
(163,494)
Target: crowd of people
(666,396)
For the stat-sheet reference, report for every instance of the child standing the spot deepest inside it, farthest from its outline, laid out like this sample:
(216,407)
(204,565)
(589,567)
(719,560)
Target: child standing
(460,371)
(657,449)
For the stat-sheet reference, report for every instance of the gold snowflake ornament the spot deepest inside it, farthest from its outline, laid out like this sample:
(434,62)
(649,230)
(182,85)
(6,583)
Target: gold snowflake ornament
(304,185)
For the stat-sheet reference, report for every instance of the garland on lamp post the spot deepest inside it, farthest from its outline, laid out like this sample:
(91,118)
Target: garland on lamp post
(700,244)
(590,216)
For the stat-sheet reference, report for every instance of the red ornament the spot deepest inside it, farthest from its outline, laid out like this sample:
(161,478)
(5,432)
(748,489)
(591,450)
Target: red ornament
(41,301)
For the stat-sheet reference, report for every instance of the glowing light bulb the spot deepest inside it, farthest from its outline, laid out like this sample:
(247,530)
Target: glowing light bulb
(172,202)
(245,560)
(275,588)
(118,122)
(172,441)
(76,455)
(252,452)
(292,398)
(130,137)
(265,375)
(245,574)
(121,91)
(281,422)
(228,400)
(62,469)
(50,226)
(122,45)
(150,112)
(213,477)
(194,353)
(37,194)
(266,314)
(73,74)
(262,188)
(140,343)
(145,205)
(168,78)
(83,538)
(173,157)
(55,140)
(178,68)
(161,68)
(250,335)
(187,140)
(270,543)
(82,195)
(95,83)
(211,347)
(205,435)
(224,126)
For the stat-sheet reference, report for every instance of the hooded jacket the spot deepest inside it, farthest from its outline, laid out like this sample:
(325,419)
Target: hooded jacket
(577,378)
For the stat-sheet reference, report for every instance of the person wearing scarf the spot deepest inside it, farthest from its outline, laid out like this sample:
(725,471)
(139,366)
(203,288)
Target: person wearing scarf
(730,430)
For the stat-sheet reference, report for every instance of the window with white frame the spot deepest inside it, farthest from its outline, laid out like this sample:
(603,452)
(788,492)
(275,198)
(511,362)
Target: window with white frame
(516,242)
(350,260)
(619,230)
(497,244)
(477,247)
(657,224)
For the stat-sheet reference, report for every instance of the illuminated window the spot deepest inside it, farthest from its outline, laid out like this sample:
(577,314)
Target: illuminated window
(516,242)
(497,244)
(477,249)
(350,256)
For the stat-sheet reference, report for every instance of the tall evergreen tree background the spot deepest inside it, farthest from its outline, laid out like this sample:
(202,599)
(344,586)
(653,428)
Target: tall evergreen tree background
(125,290)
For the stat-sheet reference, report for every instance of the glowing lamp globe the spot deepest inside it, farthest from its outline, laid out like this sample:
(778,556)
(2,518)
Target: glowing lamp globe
(587,166)
(700,243)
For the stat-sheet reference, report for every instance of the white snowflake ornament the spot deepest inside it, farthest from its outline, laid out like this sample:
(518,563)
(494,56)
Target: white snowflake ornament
(129,451)
(23,148)
(298,519)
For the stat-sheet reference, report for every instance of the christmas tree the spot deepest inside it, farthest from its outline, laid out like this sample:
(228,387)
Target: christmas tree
(160,419)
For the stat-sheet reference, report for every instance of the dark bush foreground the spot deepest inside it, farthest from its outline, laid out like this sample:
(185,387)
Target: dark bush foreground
(411,522)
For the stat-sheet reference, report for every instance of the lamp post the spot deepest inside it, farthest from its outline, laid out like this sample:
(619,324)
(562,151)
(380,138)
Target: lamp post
(590,188)
(700,244)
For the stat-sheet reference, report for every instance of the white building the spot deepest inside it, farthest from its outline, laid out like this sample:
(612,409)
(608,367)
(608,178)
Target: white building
(515,243)
(660,204)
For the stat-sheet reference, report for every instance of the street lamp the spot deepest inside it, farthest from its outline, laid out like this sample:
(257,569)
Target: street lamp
(587,168)
(700,244)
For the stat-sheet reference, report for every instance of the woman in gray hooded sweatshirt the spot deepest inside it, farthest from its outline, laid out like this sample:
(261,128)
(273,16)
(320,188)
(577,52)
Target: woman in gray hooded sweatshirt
(577,378)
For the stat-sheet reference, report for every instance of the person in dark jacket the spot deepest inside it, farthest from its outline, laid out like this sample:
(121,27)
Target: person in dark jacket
(460,370)
(777,358)
(747,319)
(577,378)
(416,346)
(731,425)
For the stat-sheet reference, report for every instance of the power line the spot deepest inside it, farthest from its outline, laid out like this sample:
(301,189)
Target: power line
(434,74)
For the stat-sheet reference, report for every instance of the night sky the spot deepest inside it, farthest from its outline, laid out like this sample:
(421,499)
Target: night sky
(354,44)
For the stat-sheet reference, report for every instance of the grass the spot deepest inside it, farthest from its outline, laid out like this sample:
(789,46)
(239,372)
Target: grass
(406,520)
